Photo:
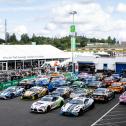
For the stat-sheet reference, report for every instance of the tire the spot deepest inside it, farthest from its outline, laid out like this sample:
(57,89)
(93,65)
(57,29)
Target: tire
(48,109)
(106,99)
(12,96)
(61,104)
(46,93)
(92,106)
(80,112)
(120,103)
(33,97)
(113,96)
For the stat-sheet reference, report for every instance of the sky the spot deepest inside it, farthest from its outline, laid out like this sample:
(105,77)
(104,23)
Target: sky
(51,18)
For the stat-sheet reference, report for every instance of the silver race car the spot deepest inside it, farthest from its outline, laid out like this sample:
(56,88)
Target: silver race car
(47,103)
(77,106)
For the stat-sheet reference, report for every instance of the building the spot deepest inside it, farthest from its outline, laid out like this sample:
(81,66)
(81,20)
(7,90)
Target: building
(13,57)
(90,63)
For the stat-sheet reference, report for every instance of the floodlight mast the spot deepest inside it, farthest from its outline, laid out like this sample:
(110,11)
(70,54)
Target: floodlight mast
(73,39)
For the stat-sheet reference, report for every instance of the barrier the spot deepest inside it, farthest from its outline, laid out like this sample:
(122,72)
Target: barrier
(7,84)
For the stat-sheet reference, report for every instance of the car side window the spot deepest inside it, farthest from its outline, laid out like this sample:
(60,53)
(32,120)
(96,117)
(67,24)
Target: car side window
(54,99)
(86,101)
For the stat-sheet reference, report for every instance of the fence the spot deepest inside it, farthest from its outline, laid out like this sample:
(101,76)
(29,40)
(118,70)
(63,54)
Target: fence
(7,84)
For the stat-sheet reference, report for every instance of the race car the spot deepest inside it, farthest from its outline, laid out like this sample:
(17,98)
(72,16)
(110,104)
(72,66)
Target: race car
(103,94)
(26,83)
(122,98)
(78,84)
(95,84)
(123,82)
(47,103)
(11,92)
(80,92)
(41,81)
(108,81)
(35,92)
(63,91)
(77,106)
(117,87)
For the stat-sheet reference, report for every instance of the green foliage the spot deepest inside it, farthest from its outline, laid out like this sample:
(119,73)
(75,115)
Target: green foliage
(61,43)
(25,39)
(12,38)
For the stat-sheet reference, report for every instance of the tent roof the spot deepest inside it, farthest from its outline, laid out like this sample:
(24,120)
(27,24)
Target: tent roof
(25,52)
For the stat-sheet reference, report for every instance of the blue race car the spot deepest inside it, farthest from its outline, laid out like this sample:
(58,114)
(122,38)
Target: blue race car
(11,92)
(42,81)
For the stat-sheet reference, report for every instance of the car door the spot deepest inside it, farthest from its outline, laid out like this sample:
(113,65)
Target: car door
(109,94)
(86,103)
(54,102)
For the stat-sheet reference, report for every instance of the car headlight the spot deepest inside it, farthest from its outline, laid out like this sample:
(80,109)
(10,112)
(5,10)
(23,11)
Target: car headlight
(43,107)
(62,108)
(76,110)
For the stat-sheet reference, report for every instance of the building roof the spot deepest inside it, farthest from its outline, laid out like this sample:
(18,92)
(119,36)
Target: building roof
(25,52)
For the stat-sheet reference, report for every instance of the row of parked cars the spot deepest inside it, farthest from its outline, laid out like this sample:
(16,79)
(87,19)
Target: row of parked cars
(75,94)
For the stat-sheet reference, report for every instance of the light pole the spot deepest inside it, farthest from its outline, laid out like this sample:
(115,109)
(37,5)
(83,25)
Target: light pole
(73,39)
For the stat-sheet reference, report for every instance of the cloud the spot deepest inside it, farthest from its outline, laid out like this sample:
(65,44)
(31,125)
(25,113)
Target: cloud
(85,13)
(121,8)
(15,1)
(20,29)
(50,26)
(91,20)
(22,8)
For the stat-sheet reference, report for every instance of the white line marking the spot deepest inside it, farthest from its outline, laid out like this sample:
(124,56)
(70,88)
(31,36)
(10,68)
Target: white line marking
(104,115)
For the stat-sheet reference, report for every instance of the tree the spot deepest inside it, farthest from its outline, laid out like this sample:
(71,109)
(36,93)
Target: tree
(12,38)
(2,41)
(109,40)
(25,39)
(114,41)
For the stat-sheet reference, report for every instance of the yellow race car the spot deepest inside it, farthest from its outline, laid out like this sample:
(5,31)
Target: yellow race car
(35,93)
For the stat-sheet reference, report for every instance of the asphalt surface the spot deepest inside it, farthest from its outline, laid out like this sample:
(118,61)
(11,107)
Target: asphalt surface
(115,117)
(16,112)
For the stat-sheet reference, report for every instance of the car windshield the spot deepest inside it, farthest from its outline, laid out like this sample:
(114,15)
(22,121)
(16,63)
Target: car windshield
(124,94)
(116,85)
(108,79)
(9,89)
(47,98)
(123,80)
(78,91)
(76,101)
(100,91)
(77,83)
(93,83)
(60,90)
(33,89)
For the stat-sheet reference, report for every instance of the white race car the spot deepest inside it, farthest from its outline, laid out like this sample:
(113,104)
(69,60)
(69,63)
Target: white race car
(47,103)
(77,106)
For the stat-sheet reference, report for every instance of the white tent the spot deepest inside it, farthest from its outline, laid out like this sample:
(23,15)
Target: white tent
(25,52)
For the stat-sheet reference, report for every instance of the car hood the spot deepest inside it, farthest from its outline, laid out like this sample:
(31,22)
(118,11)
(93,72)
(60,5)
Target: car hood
(4,93)
(71,107)
(73,95)
(39,104)
(99,94)
(28,93)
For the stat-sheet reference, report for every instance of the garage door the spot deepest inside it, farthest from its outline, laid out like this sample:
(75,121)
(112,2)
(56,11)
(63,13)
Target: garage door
(120,67)
(86,67)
